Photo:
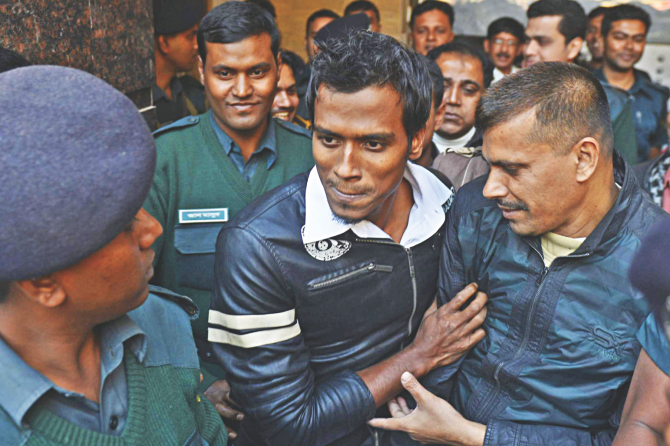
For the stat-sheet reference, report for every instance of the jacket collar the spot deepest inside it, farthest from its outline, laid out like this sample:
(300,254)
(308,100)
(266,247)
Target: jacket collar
(426,217)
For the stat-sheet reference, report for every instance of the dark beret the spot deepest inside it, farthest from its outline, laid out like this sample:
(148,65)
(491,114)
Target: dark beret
(78,161)
(343,26)
(650,270)
(175,16)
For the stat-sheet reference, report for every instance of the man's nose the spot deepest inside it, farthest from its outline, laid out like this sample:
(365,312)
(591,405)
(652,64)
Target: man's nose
(282,100)
(242,86)
(494,188)
(453,96)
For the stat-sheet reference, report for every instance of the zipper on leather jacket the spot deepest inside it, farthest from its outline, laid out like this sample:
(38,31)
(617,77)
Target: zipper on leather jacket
(488,407)
(412,273)
(372,267)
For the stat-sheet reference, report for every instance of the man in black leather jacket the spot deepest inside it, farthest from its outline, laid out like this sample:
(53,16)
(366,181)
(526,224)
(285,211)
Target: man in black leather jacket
(321,284)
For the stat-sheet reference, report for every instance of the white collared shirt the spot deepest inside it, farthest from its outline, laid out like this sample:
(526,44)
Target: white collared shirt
(425,218)
(497,74)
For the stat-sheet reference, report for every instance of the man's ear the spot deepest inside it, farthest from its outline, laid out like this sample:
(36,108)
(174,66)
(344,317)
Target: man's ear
(486,45)
(163,44)
(439,114)
(45,291)
(587,152)
(201,70)
(574,47)
(279,62)
(417,144)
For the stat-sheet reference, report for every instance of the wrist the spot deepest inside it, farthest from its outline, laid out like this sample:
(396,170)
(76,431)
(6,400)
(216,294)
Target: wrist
(418,364)
(475,434)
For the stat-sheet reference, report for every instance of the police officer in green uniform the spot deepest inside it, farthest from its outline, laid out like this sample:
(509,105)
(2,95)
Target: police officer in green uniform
(176,49)
(212,165)
(90,353)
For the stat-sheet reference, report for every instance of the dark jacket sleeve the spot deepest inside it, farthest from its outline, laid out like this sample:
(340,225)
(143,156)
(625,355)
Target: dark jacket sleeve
(257,340)
(508,432)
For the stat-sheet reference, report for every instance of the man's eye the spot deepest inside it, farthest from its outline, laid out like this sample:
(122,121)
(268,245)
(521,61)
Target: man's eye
(328,141)
(258,73)
(291,91)
(374,145)
(512,171)
(223,73)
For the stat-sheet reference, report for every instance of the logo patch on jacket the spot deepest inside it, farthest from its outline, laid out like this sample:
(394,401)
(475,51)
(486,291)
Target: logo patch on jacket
(609,345)
(326,250)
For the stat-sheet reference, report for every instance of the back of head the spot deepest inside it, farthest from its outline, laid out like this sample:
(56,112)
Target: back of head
(79,162)
(437,79)
(267,5)
(234,21)
(595,12)
(10,60)
(569,103)
(364,59)
(319,14)
(430,5)
(360,6)
(573,22)
(624,12)
(175,16)
(506,25)
(467,50)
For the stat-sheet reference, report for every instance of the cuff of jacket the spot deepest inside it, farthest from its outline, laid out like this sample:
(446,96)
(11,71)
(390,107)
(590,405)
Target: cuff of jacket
(362,407)
(500,433)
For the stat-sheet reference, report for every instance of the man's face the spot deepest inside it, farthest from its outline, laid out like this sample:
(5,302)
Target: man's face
(624,44)
(463,86)
(544,43)
(431,29)
(182,49)
(374,23)
(314,28)
(503,48)
(115,279)
(360,149)
(240,81)
(593,39)
(286,100)
(535,188)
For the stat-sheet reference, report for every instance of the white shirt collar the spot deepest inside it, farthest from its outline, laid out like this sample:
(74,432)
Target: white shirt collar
(425,218)
(443,144)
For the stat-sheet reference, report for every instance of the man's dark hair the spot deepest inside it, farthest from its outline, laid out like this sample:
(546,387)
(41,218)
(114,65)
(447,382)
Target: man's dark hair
(437,79)
(361,6)
(267,5)
(468,50)
(573,21)
(364,59)
(4,291)
(569,103)
(506,25)
(430,5)
(595,12)
(624,12)
(294,62)
(10,59)
(319,14)
(233,22)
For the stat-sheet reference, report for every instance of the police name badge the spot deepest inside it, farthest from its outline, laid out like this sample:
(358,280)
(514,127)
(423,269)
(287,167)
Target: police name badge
(203,215)
(326,250)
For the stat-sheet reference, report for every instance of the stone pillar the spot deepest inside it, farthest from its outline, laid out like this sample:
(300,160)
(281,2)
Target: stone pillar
(111,39)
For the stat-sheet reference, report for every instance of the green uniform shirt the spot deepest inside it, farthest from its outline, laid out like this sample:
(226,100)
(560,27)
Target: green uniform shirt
(196,189)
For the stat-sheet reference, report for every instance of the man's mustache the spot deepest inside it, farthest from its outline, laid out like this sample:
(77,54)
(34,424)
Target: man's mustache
(503,55)
(512,205)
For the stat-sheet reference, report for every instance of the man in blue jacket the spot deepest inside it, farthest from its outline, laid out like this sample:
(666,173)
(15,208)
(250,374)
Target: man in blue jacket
(549,236)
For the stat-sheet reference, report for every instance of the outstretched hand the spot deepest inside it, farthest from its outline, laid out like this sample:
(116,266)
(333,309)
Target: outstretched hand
(219,395)
(433,421)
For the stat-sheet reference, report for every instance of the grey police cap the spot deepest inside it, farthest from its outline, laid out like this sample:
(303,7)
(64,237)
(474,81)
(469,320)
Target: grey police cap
(175,16)
(77,163)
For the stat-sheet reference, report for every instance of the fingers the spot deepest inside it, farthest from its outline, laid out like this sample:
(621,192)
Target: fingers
(231,433)
(476,321)
(202,377)
(394,409)
(403,406)
(390,424)
(461,297)
(228,412)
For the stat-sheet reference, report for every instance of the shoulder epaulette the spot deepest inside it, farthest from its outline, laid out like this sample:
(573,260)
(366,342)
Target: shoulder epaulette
(656,86)
(183,122)
(184,302)
(293,128)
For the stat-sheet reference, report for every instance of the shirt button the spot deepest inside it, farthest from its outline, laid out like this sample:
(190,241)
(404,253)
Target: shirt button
(114,422)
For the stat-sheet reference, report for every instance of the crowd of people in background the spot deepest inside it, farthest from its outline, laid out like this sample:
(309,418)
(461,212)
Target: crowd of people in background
(384,244)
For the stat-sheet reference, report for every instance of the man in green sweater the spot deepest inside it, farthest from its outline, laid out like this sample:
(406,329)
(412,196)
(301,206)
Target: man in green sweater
(213,165)
(90,353)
